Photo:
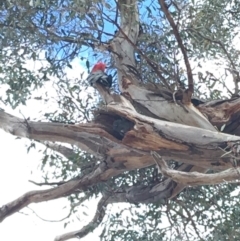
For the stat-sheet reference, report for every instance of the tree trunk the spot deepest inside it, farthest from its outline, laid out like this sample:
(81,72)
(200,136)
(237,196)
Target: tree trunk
(154,125)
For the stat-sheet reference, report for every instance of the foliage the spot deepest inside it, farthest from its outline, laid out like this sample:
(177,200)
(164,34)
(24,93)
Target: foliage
(56,32)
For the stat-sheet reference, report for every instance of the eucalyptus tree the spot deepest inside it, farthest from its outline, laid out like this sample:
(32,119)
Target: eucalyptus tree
(164,140)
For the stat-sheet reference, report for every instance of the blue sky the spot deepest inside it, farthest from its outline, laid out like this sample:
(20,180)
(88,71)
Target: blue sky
(17,167)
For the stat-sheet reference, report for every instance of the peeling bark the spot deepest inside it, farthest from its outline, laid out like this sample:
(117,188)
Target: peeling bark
(224,114)
(170,140)
(196,178)
(172,128)
(186,144)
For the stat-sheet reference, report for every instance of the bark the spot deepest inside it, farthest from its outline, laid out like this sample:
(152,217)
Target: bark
(159,122)
(187,144)
(195,178)
(171,140)
(224,114)
(183,143)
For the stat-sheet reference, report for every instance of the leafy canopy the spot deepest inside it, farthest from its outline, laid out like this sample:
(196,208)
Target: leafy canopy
(57,32)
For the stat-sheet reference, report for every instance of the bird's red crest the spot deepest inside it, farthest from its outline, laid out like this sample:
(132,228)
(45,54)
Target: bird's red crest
(99,66)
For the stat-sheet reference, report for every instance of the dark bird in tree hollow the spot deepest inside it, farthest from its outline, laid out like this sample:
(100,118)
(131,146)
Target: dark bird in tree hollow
(121,126)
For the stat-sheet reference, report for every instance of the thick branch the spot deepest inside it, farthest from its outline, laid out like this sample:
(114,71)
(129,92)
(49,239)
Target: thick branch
(121,45)
(151,63)
(196,178)
(156,104)
(79,135)
(187,144)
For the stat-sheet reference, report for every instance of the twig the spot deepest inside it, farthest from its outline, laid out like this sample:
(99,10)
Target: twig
(51,221)
(65,151)
(227,54)
(180,43)
(180,203)
(46,183)
(98,217)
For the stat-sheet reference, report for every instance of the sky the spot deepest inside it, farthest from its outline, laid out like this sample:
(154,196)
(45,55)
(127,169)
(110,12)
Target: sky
(17,167)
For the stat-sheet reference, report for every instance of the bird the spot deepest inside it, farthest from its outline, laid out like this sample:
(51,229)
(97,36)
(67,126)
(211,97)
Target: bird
(98,75)
(121,127)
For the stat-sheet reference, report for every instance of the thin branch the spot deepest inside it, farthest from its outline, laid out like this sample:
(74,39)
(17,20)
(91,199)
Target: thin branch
(53,193)
(234,72)
(98,217)
(67,39)
(46,183)
(65,151)
(51,221)
(73,40)
(180,43)
(216,42)
(190,216)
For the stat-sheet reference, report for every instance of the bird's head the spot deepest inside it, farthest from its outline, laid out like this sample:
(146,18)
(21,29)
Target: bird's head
(99,66)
